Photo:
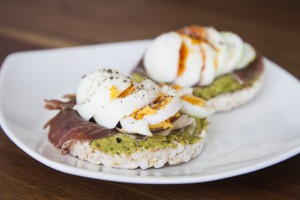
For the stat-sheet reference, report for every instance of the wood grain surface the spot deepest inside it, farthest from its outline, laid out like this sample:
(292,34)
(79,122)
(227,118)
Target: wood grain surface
(273,27)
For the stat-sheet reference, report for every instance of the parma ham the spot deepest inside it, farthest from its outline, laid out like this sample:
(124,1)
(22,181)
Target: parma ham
(67,126)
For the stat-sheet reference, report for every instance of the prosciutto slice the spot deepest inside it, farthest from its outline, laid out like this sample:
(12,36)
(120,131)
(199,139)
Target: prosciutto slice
(251,72)
(67,126)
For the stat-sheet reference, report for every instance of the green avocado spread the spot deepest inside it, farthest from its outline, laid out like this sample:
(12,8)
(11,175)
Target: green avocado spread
(221,85)
(123,143)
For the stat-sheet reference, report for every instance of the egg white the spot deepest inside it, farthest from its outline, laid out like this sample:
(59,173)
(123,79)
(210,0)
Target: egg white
(181,91)
(235,46)
(248,55)
(215,54)
(193,64)
(208,71)
(130,125)
(165,113)
(162,56)
(195,110)
(141,126)
(145,92)
(102,95)
(89,84)
(220,45)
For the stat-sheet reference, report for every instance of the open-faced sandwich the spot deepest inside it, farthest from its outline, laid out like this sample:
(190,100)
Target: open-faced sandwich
(118,122)
(219,66)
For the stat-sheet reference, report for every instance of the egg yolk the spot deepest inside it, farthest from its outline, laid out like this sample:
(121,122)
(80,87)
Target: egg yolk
(139,114)
(114,92)
(194,100)
(176,87)
(159,103)
(164,124)
(127,92)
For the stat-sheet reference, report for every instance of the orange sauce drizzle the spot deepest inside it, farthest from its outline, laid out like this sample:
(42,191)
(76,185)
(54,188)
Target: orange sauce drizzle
(183,53)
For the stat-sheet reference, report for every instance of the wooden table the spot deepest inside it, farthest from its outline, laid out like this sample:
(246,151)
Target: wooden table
(271,26)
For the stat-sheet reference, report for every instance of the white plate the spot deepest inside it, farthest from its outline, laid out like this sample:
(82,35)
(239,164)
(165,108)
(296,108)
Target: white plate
(260,134)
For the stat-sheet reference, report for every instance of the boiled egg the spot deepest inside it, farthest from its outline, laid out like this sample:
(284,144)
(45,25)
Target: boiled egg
(155,115)
(133,98)
(196,55)
(190,62)
(107,90)
(248,56)
(161,58)
(235,47)
(132,126)
(196,106)
(208,70)
(165,107)
(218,42)
(89,84)
(180,91)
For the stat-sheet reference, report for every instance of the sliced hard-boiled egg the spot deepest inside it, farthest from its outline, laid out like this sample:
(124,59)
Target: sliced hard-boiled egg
(90,83)
(165,107)
(131,125)
(196,107)
(190,62)
(180,91)
(248,55)
(132,99)
(161,58)
(196,55)
(235,46)
(157,114)
(208,70)
(218,42)
(108,90)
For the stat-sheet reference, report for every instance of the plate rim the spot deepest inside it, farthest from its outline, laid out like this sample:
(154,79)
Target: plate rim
(126,178)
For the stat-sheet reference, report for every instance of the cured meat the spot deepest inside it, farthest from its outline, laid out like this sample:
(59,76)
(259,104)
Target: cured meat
(182,122)
(251,72)
(140,68)
(67,126)
(59,105)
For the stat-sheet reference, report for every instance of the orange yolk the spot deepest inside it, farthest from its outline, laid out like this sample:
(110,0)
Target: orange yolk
(159,103)
(127,92)
(194,100)
(114,92)
(139,114)
(164,124)
(176,87)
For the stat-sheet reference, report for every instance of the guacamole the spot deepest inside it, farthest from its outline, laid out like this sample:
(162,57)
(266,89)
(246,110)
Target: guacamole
(123,143)
(221,85)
